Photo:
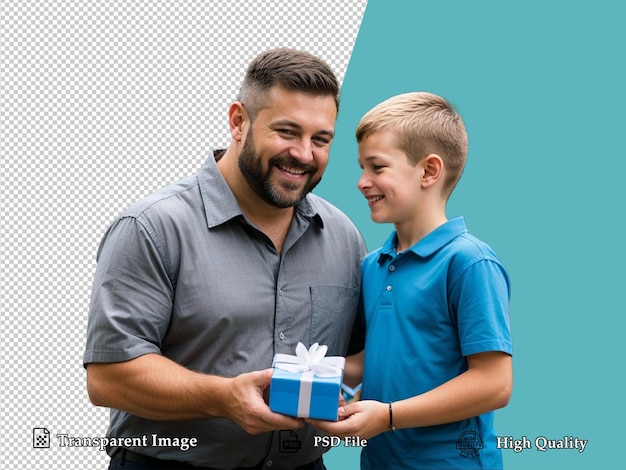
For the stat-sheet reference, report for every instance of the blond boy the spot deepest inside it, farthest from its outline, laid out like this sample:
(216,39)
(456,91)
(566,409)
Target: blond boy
(437,356)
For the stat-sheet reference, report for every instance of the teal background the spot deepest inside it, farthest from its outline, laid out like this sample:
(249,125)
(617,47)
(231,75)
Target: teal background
(541,88)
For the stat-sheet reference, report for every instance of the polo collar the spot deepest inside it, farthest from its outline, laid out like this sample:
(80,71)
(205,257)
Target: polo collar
(431,243)
(220,204)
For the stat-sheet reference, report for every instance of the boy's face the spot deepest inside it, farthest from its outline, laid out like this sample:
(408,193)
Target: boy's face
(388,182)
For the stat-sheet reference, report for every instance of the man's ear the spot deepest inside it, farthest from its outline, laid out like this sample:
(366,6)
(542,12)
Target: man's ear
(237,117)
(433,169)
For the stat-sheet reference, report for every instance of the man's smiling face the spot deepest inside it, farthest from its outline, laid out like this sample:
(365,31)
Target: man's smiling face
(286,149)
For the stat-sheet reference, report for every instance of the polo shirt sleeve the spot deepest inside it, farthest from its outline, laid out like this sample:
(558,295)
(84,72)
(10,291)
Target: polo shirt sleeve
(479,303)
(132,296)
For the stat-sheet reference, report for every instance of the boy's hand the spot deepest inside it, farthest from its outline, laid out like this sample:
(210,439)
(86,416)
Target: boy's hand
(363,418)
(342,401)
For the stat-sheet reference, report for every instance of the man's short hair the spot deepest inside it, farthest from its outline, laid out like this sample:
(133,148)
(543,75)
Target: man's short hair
(290,69)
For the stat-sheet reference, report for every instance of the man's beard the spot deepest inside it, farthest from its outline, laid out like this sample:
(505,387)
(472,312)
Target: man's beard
(251,167)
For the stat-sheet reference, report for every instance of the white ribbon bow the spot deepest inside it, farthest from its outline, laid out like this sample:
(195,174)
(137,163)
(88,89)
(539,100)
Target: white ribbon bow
(312,359)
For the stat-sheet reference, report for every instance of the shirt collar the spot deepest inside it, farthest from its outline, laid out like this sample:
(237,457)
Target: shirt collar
(220,204)
(432,242)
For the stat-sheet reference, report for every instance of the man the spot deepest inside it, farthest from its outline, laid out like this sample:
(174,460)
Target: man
(200,284)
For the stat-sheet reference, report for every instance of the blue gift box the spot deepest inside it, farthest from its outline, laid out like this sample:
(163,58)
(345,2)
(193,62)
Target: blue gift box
(311,393)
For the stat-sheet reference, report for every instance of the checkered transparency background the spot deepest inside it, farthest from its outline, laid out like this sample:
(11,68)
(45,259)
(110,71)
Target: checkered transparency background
(102,103)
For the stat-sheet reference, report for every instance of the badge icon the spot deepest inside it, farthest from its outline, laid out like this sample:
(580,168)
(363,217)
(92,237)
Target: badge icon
(41,438)
(469,443)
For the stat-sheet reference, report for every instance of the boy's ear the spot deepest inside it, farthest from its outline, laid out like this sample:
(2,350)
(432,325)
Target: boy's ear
(236,118)
(433,169)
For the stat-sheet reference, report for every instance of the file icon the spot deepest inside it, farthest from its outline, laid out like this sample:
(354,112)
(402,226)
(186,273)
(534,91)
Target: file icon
(41,438)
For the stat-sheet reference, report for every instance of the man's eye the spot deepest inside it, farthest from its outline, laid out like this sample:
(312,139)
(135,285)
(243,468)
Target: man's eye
(286,132)
(322,140)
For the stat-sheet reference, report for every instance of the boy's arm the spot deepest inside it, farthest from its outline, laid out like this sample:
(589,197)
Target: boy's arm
(353,372)
(485,386)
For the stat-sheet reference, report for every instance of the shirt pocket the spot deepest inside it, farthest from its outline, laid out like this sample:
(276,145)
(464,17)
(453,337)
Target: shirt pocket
(333,313)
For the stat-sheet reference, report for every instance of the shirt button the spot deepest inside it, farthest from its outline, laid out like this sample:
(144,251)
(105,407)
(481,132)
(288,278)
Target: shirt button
(389,288)
(268,463)
(280,292)
(281,335)
(392,267)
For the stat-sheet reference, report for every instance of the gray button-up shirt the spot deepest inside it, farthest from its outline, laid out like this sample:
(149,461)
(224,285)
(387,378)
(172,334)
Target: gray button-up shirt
(184,274)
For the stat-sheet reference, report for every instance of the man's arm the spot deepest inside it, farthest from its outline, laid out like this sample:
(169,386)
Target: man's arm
(154,387)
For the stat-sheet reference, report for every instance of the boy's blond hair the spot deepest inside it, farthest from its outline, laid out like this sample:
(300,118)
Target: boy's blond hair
(424,123)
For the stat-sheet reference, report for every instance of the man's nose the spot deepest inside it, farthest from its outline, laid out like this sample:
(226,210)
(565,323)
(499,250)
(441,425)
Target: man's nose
(302,151)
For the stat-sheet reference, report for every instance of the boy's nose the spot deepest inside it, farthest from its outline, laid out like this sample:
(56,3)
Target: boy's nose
(363,182)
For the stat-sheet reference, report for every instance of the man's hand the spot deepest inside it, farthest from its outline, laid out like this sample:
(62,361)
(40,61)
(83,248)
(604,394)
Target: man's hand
(248,408)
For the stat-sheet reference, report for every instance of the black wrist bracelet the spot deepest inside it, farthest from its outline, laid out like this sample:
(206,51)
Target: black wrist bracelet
(392,428)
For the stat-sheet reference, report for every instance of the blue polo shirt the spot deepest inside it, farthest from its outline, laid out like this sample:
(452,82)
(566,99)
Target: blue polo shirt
(426,309)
